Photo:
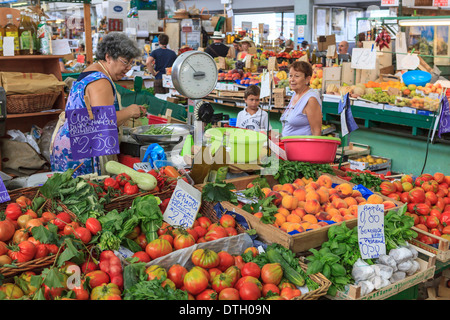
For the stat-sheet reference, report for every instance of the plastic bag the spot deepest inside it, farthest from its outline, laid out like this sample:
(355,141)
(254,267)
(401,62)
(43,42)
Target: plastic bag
(401,254)
(366,287)
(405,266)
(383,271)
(415,267)
(387,260)
(46,138)
(397,276)
(17,135)
(154,152)
(362,271)
(380,282)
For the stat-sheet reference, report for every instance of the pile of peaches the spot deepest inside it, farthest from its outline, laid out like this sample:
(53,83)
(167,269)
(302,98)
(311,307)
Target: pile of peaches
(306,204)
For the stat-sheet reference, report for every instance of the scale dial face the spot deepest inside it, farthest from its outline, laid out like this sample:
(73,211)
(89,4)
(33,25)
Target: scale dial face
(194,74)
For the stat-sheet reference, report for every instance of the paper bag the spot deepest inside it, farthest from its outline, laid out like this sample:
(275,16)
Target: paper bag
(20,158)
(30,83)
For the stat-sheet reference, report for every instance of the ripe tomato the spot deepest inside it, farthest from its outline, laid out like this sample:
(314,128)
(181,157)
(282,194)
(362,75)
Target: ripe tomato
(7,230)
(122,179)
(11,290)
(251,269)
(88,266)
(81,293)
(201,231)
(249,291)
(52,248)
(22,252)
(20,236)
(227,220)
(208,294)
(272,273)
(193,233)
(176,273)
(130,188)
(3,248)
(213,272)
(83,234)
(106,291)
(23,220)
(41,251)
(229,294)
(417,195)
(165,228)
(432,222)
(62,219)
(158,248)
(13,211)
(111,183)
(142,256)
(270,287)
(205,258)
(289,293)
(183,240)
(70,228)
(221,281)
(235,274)
(156,272)
(246,279)
(231,231)
(141,240)
(195,281)
(23,202)
(216,233)
(226,260)
(31,213)
(97,278)
(48,216)
(205,222)
(93,225)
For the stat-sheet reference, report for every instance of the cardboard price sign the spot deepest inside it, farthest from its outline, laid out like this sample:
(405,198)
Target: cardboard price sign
(371,230)
(93,132)
(4,195)
(272,64)
(183,205)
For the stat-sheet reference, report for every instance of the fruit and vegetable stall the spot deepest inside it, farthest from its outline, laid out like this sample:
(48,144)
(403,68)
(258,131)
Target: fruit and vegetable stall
(288,236)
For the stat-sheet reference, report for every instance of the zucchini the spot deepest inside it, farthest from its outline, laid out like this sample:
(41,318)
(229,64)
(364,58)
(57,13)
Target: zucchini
(289,273)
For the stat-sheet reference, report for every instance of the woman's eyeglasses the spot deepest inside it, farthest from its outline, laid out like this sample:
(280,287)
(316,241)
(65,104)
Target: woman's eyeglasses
(127,64)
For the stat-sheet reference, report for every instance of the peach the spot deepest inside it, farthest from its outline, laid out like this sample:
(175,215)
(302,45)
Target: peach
(279,219)
(388,205)
(356,193)
(322,223)
(340,203)
(327,206)
(315,226)
(344,190)
(310,218)
(324,181)
(312,206)
(312,195)
(322,215)
(307,181)
(350,201)
(344,211)
(290,226)
(337,218)
(293,218)
(305,224)
(354,210)
(277,197)
(332,191)
(289,202)
(360,199)
(301,204)
(277,187)
(285,193)
(300,194)
(333,212)
(288,187)
(285,212)
(299,212)
(324,196)
(349,217)
(374,199)
(299,182)
(333,197)
(314,185)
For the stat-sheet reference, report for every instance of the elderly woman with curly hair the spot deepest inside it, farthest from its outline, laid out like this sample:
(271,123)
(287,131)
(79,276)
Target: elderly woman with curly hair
(115,54)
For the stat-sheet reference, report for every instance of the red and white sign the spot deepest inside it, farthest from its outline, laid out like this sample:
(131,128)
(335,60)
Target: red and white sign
(389,3)
(440,3)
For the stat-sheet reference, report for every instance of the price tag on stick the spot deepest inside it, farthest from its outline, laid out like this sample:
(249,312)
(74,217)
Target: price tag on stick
(371,230)
(93,137)
(183,205)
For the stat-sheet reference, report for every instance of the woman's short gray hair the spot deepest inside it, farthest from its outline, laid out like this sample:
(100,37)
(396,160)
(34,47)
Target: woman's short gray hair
(117,44)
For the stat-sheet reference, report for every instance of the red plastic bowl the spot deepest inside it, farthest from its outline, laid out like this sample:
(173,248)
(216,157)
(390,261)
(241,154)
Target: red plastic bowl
(314,149)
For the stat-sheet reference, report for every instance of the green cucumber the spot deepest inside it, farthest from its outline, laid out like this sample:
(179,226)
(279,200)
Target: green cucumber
(289,273)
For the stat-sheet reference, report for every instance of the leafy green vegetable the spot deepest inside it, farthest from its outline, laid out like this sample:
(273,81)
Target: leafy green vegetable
(218,192)
(366,179)
(288,171)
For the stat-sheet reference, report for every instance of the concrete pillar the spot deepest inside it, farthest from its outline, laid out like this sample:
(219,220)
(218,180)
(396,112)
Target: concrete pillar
(303,7)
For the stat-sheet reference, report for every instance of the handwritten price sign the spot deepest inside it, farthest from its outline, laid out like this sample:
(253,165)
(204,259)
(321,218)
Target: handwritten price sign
(363,58)
(183,205)
(371,230)
(96,137)
(4,195)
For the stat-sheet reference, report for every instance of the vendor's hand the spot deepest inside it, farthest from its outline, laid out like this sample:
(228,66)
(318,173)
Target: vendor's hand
(135,111)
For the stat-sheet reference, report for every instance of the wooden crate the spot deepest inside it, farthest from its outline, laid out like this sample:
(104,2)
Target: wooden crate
(426,271)
(300,242)
(442,251)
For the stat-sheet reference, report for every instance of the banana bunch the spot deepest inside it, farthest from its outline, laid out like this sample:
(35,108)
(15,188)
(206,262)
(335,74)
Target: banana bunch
(282,75)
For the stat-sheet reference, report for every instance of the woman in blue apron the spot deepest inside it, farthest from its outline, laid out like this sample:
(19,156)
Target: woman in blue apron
(95,87)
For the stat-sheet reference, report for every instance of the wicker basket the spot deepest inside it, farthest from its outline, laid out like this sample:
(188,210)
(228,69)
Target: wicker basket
(31,265)
(30,193)
(27,103)
(318,278)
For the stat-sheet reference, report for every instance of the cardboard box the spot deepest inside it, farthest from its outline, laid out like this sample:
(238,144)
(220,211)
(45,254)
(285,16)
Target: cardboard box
(332,73)
(361,165)
(324,41)
(173,100)
(347,73)
(278,96)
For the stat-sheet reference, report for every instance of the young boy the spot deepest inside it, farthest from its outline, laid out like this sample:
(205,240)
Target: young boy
(252,117)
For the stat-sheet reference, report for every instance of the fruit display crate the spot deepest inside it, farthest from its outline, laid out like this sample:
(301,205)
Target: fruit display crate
(364,163)
(298,242)
(427,263)
(440,249)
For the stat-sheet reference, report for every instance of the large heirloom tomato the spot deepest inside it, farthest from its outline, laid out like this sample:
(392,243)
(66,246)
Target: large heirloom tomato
(156,272)
(195,281)
(272,273)
(221,281)
(176,273)
(183,240)
(205,258)
(97,278)
(23,251)
(7,230)
(107,291)
(158,248)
